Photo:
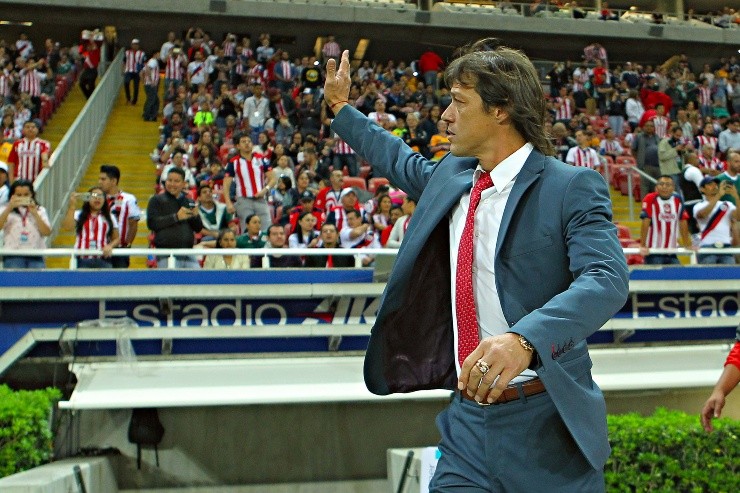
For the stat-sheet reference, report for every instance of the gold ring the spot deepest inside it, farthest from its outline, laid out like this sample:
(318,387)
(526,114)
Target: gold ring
(482,366)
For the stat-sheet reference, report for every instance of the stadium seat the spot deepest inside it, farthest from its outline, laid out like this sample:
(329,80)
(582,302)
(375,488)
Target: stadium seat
(626,160)
(365,170)
(374,183)
(623,232)
(355,181)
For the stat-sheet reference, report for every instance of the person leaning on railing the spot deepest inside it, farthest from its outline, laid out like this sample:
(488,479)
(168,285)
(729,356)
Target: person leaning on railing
(25,225)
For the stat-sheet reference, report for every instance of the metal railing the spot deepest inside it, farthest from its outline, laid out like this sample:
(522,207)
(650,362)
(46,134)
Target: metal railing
(264,253)
(70,159)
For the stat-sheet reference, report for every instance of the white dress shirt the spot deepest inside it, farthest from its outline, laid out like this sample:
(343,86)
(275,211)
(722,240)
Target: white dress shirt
(490,315)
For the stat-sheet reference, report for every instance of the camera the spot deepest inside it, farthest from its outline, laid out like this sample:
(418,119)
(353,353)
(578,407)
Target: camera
(190,204)
(24,200)
(85,197)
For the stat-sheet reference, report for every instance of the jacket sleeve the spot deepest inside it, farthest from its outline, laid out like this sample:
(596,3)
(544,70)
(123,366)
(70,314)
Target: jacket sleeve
(389,155)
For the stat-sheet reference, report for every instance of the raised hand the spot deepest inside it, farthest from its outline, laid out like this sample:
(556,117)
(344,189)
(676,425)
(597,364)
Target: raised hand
(336,87)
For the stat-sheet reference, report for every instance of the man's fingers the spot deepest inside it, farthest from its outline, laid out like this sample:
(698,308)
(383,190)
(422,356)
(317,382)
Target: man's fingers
(331,67)
(501,384)
(344,64)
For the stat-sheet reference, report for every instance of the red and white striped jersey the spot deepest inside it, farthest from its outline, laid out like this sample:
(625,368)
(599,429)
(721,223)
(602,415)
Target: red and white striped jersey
(122,208)
(340,215)
(712,163)
(580,77)
(173,67)
(248,174)
(26,157)
(564,110)
(95,233)
(341,147)
(6,83)
(705,96)
(285,69)
(256,75)
(664,215)
(702,140)
(611,147)
(587,157)
(331,49)
(134,61)
(151,73)
(31,82)
(229,48)
(661,126)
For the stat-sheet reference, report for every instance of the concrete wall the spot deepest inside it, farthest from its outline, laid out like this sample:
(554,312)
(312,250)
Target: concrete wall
(297,443)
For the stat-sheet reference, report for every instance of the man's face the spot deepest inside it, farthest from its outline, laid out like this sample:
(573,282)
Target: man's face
(349,201)
(733,162)
(665,187)
(407,206)
(307,204)
(337,179)
(245,144)
(205,196)
(710,190)
(30,130)
(106,183)
(379,106)
(582,138)
(354,220)
(174,184)
(277,237)
(734,127)
(329,235)
(649,128)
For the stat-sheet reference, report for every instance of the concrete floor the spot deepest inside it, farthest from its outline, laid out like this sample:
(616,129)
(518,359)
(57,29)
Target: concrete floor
(368,486)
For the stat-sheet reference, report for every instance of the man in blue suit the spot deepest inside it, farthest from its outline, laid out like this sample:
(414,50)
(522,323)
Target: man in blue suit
(510,261)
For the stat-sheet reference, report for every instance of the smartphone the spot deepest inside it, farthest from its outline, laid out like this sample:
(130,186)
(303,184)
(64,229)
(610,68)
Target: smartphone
(24,200)
(85,197)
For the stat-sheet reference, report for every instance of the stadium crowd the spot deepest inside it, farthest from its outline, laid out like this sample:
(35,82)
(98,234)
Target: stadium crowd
(246,145)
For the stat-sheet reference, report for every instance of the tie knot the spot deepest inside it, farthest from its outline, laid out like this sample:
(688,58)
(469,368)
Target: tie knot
(484,181)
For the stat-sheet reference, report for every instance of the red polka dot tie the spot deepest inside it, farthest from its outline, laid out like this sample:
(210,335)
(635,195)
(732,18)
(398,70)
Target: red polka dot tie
(467,321)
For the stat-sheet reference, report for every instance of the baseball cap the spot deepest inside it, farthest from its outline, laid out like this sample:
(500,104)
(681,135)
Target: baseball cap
(135,41)
(307,195)
(709,179)
(347,191)
(3,166)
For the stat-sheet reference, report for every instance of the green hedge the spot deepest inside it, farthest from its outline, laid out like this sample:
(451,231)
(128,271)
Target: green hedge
(670,452)
(25,433)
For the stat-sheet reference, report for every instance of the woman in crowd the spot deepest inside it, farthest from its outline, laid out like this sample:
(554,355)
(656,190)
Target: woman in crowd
(25,225)
(254,237)
(439,144)
(94,227)
(306,235)
(294,194)
(284,167)
(382,216)
(227,239)
(279,195)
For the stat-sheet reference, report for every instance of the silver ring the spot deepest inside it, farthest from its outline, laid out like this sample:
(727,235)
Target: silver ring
(482,366)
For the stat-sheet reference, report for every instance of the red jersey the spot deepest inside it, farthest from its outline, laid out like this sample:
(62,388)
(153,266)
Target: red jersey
(26,157)
(664,215)
(249,175)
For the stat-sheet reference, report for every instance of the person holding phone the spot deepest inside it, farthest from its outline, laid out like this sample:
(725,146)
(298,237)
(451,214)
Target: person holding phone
(25,225)
(94,226)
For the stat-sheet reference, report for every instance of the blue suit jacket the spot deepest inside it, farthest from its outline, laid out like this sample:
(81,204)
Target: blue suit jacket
(560,274)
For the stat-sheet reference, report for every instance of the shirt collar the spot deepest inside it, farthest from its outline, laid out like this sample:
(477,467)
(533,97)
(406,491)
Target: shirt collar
(506,171)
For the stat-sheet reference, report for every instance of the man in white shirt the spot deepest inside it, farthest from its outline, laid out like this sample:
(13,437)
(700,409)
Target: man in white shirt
(256,111)
(359,234)
(399,228)
(582,154)
(715,218)
(730,137)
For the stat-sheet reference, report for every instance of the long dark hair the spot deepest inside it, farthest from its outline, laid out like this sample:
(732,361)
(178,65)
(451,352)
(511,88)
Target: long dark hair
(85,213)
(22,183)
(221,235)
(505,78)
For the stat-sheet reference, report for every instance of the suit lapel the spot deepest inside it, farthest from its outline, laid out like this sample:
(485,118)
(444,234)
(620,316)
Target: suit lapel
(531,170)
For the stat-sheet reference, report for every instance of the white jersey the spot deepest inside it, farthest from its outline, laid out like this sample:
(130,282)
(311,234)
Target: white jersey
(124,207)
(587,158)
(715,228)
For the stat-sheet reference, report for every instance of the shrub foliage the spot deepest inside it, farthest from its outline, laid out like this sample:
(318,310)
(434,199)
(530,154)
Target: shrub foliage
(25,433)
(670,452)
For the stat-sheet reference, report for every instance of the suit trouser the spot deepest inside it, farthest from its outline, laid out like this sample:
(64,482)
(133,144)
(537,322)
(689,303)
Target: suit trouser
(520,446)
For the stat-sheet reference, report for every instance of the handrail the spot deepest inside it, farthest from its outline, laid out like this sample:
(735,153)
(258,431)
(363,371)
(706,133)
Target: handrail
(172,253)
(70,159)
(630,195)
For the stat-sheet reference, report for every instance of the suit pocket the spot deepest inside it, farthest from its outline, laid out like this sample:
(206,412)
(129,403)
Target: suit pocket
(529,245)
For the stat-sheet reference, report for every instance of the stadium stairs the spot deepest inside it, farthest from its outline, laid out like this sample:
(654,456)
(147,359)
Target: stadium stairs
(126,143)
(620,206)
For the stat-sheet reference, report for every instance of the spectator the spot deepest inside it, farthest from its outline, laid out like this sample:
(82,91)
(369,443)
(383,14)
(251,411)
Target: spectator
(328,197)
(634,109)
(284,168)
(279,195)
(253,182)
(562,141)
(29,155)
(645,146)
(171,216)
(133,65)
(305,235)
(359,234)
(330,239)
(395,215)
(25,225)
(330,49)
(731,174)
(430,63)
(671,151)
(123,208)
(730,137)
(714,218)
(727,382)
(254,237)
(213,214)
(582,154)
(256,111)
(347,203)
(293,197)
(401,225)
(610,146)
(276,239)
(663,217)
(151,88)
(439,144)
(4,185)
(382,215)
(307,205)
(178,161)
(89,50)
(94,226)
(226,239)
